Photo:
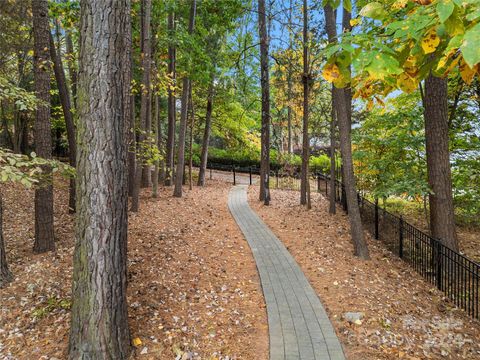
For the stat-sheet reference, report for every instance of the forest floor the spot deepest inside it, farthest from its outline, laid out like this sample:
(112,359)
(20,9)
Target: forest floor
(193,293)
(404,317)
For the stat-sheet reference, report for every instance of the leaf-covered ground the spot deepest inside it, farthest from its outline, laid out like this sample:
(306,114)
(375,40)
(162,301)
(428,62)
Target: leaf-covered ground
(193,291)
(404,317)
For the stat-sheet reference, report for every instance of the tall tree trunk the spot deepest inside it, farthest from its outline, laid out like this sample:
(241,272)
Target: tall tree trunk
(190,145)
(265,83)
(72,71)
(5,274)
(129,99)
(206,134)
(142,171)
(342,111)
(171,105)
(146,93)
(179,174)
(332,208)
(156,119)
(442,216)
(305,78)
(44,237)
(67,113)
(99,319)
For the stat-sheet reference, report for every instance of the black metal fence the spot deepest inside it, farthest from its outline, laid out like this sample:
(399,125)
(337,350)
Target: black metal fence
(454,274)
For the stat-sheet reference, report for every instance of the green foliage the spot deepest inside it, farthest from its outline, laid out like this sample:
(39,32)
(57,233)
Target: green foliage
(389,150)
(29,170)
(23,100)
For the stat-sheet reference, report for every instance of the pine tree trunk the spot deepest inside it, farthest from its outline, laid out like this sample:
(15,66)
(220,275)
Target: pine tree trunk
(64,95)
(305,79)
(442,216)
(206,135)
(99,320)
(265,84)
(5,274)
(171,106)
(342,111)
(180,173)
(44,237)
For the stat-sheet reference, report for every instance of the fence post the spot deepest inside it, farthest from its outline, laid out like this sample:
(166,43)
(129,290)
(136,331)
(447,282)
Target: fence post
(376,219)
(210,173)
(400,245)
(318,182)
(276,175)
(250,173)
(234,179)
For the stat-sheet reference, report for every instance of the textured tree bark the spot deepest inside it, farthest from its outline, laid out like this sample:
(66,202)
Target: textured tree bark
(44,237)
(265,84)
(171,106)
(5,274)
(99,321)
(206,135)
(67,113)
(442,215)
(305,140)
(180,172)
(146,93)
(342,111)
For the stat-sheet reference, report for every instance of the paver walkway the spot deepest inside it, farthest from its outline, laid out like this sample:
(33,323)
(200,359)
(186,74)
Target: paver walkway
(299,327)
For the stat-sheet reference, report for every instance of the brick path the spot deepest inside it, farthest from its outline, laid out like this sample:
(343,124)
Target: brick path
(299,327)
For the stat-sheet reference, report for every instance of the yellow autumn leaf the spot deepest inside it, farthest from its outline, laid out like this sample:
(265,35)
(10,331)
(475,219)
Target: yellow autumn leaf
(430,42)
(331,72)
(354,22)
(467,72)
(406,83)
(136,341)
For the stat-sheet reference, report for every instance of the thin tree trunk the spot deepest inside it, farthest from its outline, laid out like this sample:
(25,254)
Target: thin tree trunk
(67,113)
(442,216)
(359,243)
(179,174)
(332,208)
(99,319)
(305,79)
(6,275)
(190,145)
(129,99)
(156,119)
(146,93)
(206,135)
(264,80)
(171,106)
(44,237)
(72,72)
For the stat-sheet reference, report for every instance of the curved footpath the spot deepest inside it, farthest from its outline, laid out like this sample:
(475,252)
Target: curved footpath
(298,325)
